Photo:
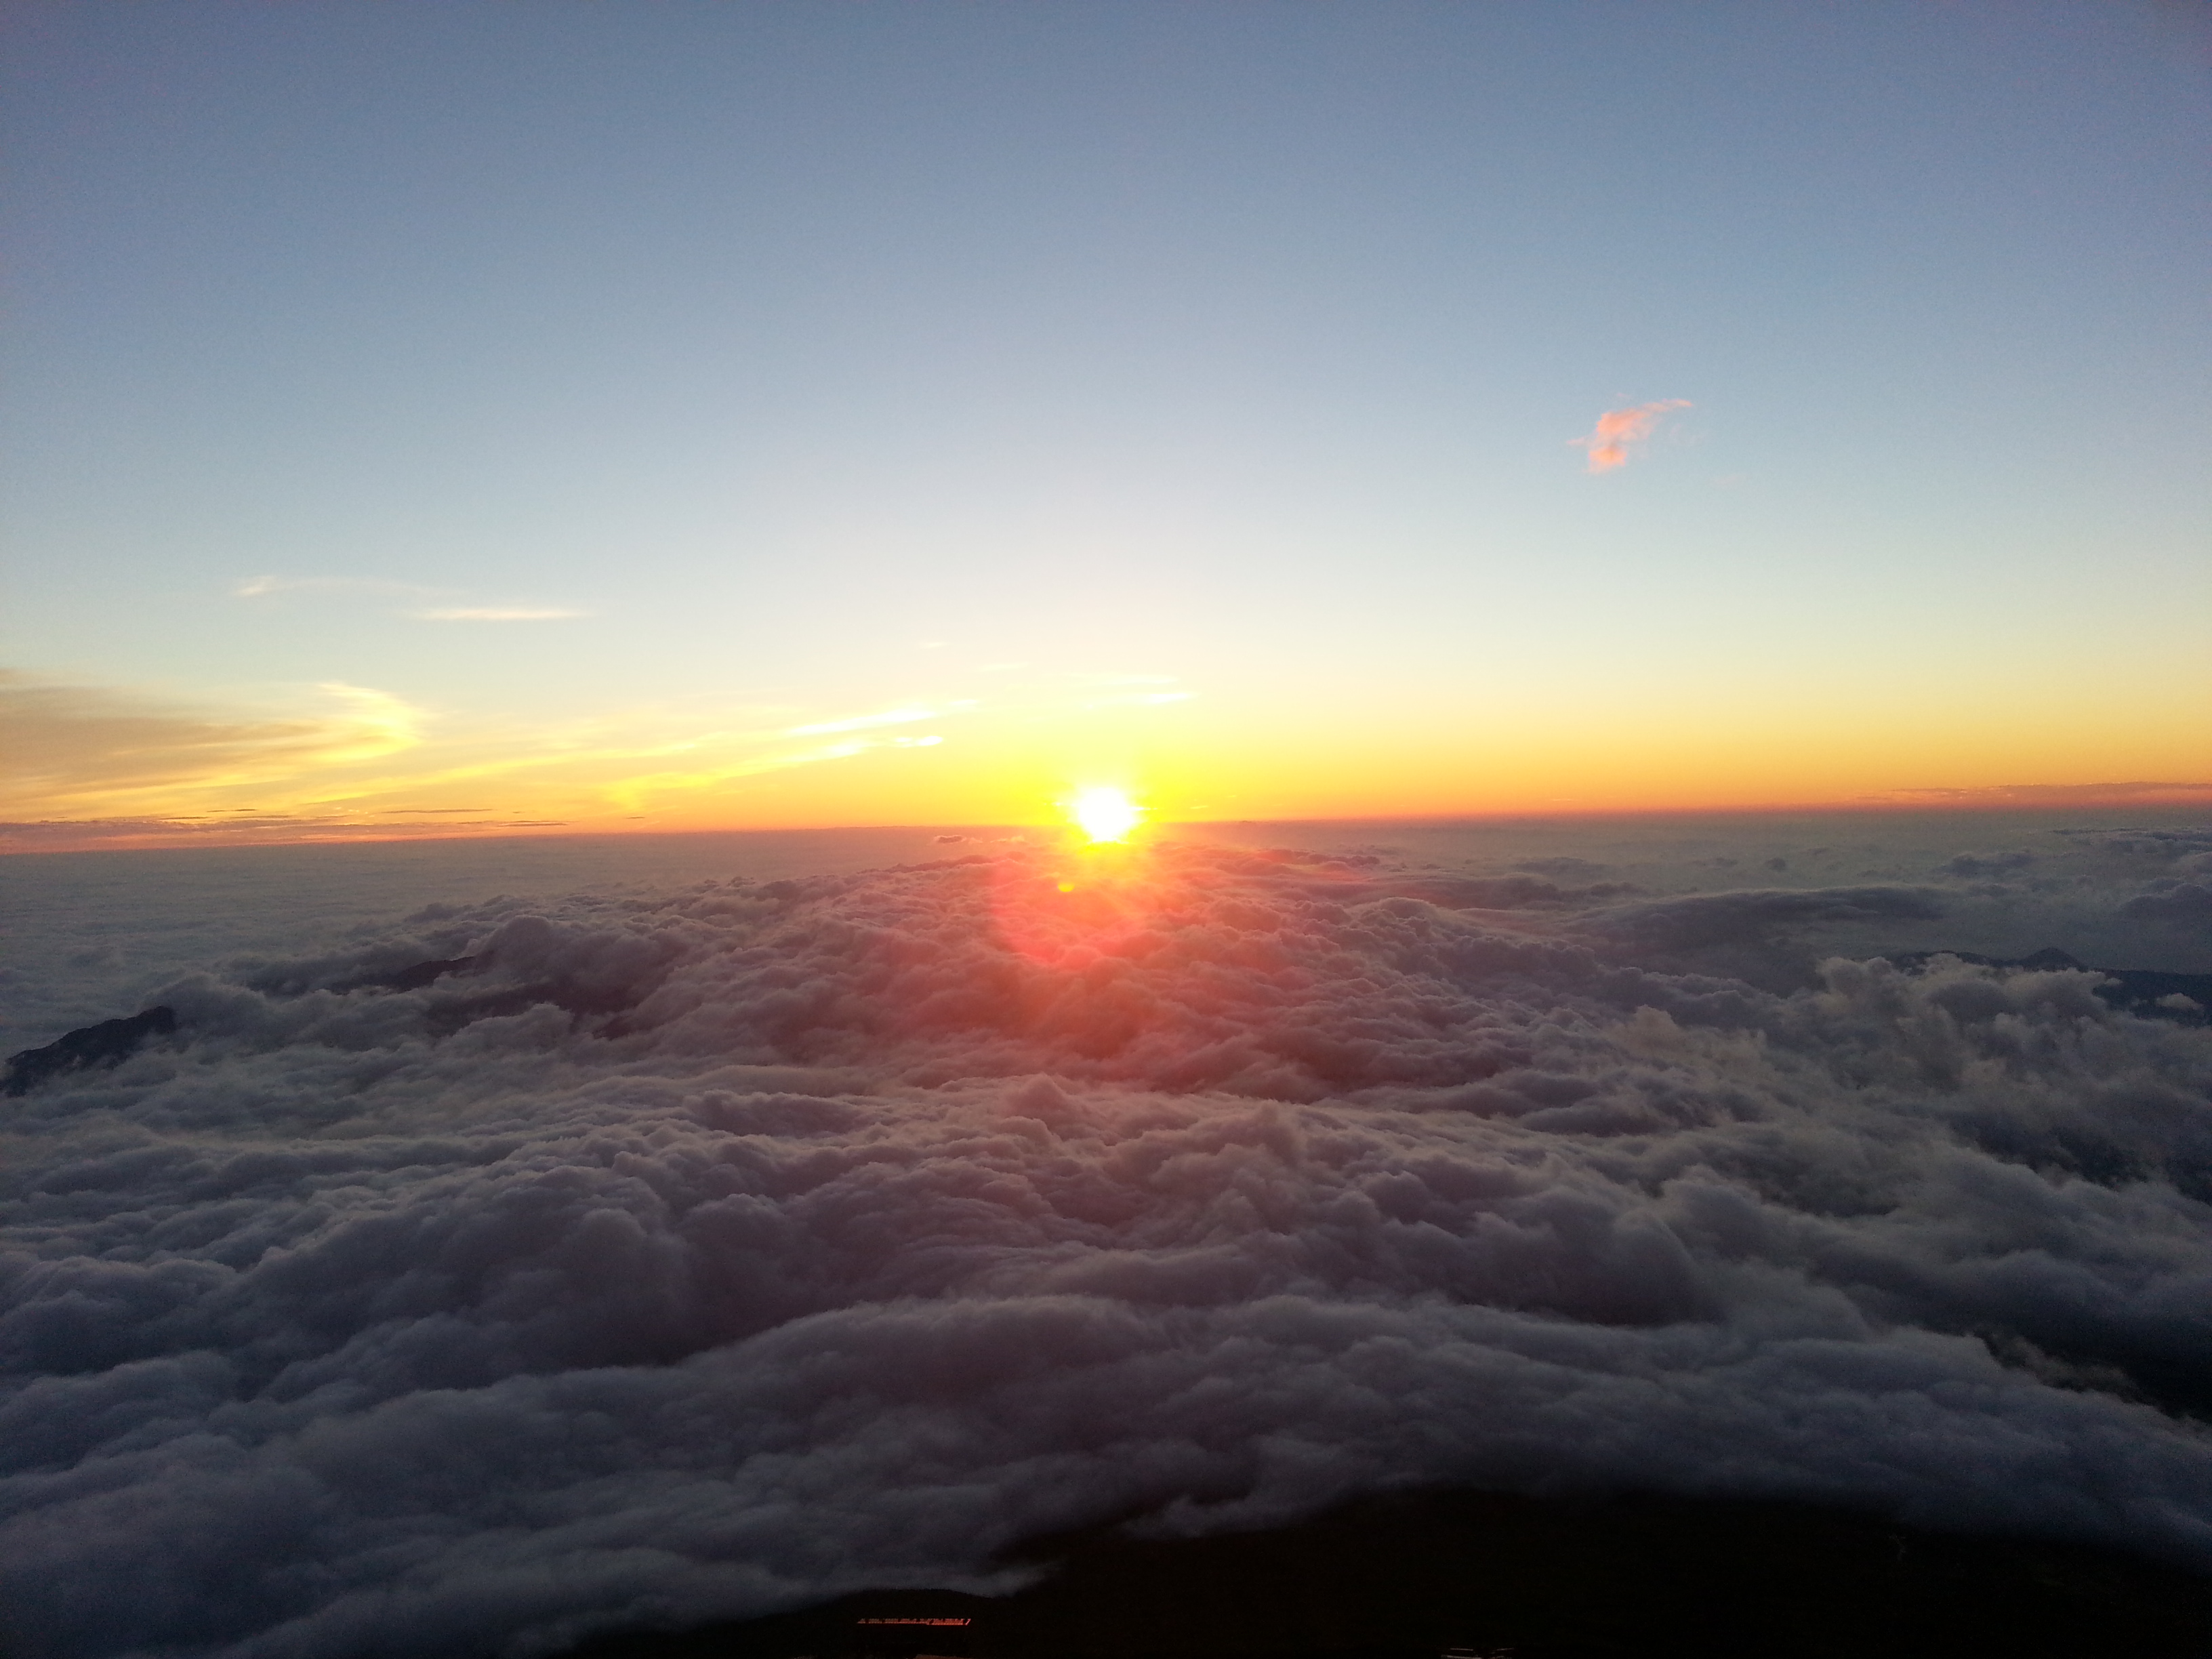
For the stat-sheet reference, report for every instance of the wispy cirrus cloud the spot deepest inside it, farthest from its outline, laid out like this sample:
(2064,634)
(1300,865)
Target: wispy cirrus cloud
(262,587)
(496,613)
(1618,428)
(92,750)
(2052,795)
(1138,699)
(236,829)
(721,758)
(1127,691)
(889,717)
(115,767)
(271,586)
(107,765)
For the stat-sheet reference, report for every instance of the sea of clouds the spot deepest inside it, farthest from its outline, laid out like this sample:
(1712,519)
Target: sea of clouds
(690,1247)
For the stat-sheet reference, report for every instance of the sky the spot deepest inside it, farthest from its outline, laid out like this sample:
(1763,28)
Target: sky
(454,418)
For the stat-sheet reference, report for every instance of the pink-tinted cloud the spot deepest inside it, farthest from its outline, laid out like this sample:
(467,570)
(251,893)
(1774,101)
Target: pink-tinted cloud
(1617,428)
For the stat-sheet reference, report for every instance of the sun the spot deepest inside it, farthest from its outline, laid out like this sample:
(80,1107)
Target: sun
(1105,814)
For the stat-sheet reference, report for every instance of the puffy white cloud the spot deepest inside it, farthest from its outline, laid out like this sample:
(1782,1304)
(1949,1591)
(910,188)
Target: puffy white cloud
(686,1254)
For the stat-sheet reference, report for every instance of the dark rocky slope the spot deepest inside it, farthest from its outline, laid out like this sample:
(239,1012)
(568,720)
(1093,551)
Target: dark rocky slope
(1417,1576)
(108,1043)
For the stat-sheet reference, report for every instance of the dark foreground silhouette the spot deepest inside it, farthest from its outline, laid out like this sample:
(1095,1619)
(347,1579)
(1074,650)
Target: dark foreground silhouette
(1417,1578)
(108,1043)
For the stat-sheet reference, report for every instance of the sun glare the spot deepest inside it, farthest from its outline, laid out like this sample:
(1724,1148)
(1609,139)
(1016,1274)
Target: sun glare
(1105,814)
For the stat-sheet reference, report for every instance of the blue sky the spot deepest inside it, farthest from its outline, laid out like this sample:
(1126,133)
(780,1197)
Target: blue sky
(1008,360)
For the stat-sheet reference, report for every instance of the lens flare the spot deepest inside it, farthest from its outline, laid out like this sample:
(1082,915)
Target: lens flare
(1105,814)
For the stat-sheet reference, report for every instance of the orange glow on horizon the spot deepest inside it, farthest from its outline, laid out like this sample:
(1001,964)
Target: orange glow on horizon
(1688,750)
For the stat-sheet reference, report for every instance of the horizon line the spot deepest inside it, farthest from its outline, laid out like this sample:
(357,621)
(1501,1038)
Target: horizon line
(19,839)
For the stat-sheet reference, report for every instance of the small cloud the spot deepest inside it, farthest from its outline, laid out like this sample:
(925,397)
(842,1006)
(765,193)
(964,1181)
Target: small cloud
(1617,428)
(260,588)
(1138,699)
(496,613)
(263,587)
(1975,865)
(863,722)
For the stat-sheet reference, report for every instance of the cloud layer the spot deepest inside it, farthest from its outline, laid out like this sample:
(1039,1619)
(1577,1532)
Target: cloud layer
(659,1257)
